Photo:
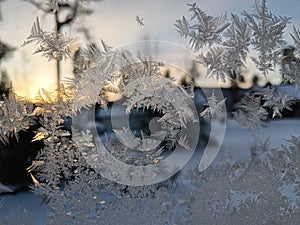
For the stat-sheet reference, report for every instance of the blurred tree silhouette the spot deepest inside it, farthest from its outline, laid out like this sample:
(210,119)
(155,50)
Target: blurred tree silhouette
(65,14)
(4,84)
(5,51)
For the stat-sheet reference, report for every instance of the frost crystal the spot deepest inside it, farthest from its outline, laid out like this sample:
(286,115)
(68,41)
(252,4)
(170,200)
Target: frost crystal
(99,67)
(267,30)
(277,101)
(263,154)
(250,114)
(229,43)
(290,73)
(144,144)
(53,45)
(201,28)
(290,60)
(139,21)
(295,34)
(4,189)
(15,115)
(215,108)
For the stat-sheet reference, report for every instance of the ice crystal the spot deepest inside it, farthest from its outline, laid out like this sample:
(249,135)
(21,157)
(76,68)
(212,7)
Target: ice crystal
(102,66)
(139,21)
(229,43)
(213,61)
(53,4)
(263,154)
(4,189)
(222,60)
(257,191)
(202,29)
(267,30)
(236,199)
(250,113)
(52,45)
(58,159)
(16,115)
(215,108)
(277,101)
(238,37)
(144,144)
(290,73)
(290,61)
(295,34)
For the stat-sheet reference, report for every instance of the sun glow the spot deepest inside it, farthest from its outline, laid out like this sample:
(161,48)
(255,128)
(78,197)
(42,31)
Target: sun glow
(30,89)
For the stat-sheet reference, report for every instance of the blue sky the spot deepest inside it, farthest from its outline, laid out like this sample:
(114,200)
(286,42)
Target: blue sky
(114,22)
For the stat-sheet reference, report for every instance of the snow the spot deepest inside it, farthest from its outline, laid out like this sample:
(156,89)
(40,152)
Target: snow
(238,141)
(291,90)
(19,206)
(235,146)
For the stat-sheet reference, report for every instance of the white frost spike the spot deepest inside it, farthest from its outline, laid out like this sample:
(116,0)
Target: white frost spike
(250,114)
(148,143)
(52,45)
(206,30)
(277,101)
(263,153)
(144,144)
(183,141)
(127,138)
(4,189)
(215,107)
(54,5)
(139,21)
(267,37)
